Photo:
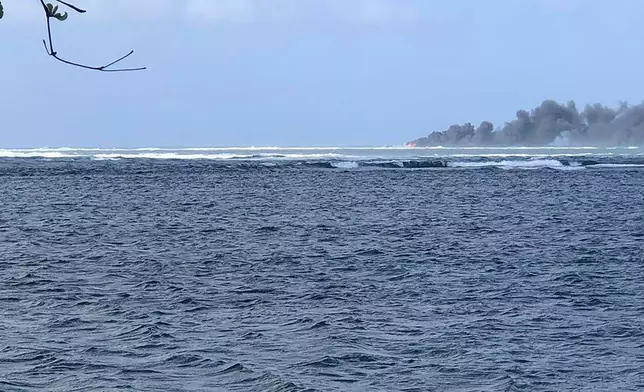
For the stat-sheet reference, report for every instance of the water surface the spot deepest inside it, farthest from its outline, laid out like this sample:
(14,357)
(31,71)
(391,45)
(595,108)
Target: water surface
(322,270)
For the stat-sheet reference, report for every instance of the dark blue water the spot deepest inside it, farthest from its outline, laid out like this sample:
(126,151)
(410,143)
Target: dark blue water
(193,275)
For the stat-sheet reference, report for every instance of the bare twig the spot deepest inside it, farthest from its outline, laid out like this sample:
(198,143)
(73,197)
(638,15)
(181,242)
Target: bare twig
(50,49)
(72,6)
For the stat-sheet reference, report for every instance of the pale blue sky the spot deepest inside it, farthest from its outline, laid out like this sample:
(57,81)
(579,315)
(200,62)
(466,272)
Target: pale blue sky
(307,72)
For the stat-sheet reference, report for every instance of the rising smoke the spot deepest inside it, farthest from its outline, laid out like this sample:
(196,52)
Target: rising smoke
(551,124)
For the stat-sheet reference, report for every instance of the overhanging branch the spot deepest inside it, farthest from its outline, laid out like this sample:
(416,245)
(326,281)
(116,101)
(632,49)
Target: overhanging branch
(51,12)
(82,11)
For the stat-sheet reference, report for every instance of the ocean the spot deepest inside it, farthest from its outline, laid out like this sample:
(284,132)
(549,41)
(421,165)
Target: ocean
(322,269)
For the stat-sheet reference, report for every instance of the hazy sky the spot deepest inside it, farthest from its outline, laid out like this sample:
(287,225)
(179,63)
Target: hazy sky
(307,72)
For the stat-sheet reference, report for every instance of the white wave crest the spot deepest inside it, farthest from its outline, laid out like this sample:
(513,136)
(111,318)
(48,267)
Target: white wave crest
(511,164)
(35,154)
(618,165)
(184,154)
(345,165)
(464,157)
(167,155)
(394,162)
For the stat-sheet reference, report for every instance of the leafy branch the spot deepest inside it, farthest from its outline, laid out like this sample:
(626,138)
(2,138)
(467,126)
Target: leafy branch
(51,12)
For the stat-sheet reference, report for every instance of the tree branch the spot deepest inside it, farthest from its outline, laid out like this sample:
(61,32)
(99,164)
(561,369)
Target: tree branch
(72,6)
(49,13)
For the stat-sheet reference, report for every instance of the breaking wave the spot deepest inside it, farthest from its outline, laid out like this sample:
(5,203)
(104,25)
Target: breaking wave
(345,165)
(356,158)
(519,164)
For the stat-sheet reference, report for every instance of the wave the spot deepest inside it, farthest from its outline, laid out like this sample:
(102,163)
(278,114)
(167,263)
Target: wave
(345,165)
(313,148)
(511,148)
(562,164)
(521,164)
(34,154)
(240,148)
(559,158)
(619,165)
(101,154)
(219,156)
(152,155)
(515,164)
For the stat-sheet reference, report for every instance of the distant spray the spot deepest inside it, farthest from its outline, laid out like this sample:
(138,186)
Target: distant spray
(551,124)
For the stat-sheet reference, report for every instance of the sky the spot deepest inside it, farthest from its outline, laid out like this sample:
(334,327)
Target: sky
(306,72)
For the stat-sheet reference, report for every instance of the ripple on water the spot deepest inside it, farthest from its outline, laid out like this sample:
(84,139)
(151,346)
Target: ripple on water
(200,276)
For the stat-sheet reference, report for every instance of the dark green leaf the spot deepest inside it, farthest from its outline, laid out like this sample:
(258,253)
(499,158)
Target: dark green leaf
(1,10)
(61,17)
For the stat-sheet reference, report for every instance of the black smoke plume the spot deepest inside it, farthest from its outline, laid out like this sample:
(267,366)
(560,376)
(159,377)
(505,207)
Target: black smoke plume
(550,124)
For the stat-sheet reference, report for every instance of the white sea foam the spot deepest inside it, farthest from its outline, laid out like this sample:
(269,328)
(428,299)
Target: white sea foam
(168,155)
(300,148)
(390,154)
(319,156)
(34,154)
(345,165)
(184,154)
(394,162)
(511,148)
(105,159)
(618,165)
(626,148)
(514,164)
(518,155)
